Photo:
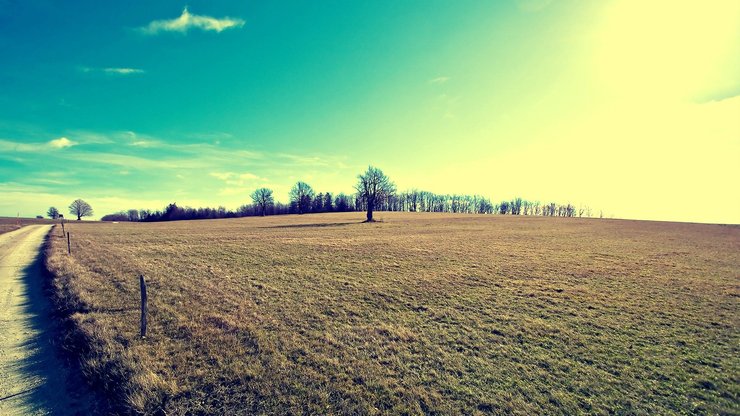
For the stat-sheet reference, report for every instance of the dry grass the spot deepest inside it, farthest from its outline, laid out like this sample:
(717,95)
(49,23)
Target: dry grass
(8,224)
(420,313)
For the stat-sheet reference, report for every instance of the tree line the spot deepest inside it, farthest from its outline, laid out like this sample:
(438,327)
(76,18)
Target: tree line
(374,192)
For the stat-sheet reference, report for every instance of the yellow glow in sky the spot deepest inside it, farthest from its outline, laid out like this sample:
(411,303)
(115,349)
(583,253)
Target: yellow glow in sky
(659,134)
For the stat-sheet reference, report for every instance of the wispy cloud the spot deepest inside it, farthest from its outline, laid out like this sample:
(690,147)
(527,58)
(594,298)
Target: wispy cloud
(133,162)
(439,80)
(144,143)
(11,146)
(7,146)
(308,160)
(113,70)
(236,179)
(137,140)
(144,166)
(49,181)
(123,71)
(188,21)
(239,183)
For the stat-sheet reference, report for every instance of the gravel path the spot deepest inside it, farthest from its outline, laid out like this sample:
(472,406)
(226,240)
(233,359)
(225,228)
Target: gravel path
(33,380)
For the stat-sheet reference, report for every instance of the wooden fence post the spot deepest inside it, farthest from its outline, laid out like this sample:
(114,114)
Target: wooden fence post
(142,283)
(69,246)
(63,232)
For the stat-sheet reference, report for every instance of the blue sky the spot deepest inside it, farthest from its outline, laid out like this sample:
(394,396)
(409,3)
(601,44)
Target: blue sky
(138,104)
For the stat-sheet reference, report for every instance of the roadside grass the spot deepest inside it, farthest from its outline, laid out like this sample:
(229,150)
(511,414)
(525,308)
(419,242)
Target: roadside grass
(8,224)
(419,313)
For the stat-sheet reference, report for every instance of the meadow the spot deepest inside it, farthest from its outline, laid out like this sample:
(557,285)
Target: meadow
(8,224)
(416,314)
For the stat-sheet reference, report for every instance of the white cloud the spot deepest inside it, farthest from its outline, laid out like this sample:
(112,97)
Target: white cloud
(123,71)
(144,143)
(113,70)
(188,21)
(439,80)
(234,171)
(11,146)
(61,143)
(248,176)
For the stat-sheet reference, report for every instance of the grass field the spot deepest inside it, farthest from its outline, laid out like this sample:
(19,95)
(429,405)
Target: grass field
(420,313)
(8,224)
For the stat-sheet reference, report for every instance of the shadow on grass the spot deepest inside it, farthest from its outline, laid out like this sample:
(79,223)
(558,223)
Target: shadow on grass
(48,384)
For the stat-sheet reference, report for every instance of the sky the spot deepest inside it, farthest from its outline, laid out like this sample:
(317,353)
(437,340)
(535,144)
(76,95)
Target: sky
(630,107)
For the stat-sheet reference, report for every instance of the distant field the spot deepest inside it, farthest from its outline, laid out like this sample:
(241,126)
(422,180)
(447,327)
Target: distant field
(422,313)
(8,224)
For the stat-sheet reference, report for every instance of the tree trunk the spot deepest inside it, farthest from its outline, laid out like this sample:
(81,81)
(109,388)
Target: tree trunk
(79,217)
(370,211)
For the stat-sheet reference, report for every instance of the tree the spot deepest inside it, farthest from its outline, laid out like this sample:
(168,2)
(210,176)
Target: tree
(263,198)
(301,196)
(80,208)
(118,216)
(52,213)
(172,213)
(504,207)
(317,205)
(516,206)
(373,187)
(341,203)
(133,215)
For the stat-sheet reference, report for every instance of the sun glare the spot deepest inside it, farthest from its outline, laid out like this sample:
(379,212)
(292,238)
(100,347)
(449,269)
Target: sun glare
(668,49)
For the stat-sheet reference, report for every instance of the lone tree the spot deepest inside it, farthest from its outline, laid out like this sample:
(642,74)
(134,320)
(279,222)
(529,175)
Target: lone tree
(301,195)
(372,188)
(52,213)
(263,198)
(80,208)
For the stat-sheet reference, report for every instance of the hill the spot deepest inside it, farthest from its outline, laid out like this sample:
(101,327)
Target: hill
(419,313)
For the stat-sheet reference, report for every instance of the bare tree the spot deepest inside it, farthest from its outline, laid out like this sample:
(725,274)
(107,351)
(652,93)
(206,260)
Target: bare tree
(262,197)
(301,195)
(52,213)
(373,187)
(80,208)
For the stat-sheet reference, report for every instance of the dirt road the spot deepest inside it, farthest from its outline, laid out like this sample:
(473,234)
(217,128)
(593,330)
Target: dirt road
(33,380)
